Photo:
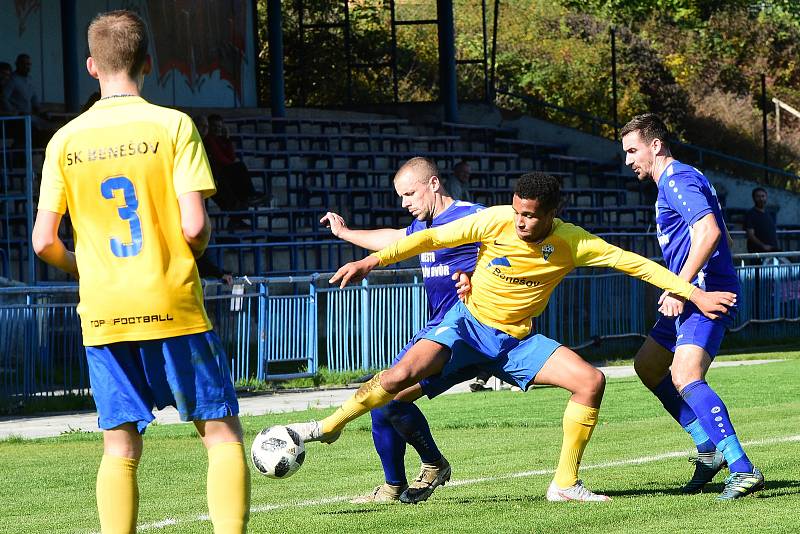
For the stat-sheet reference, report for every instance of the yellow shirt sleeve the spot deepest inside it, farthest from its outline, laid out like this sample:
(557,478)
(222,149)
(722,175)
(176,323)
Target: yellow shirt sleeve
(53,194)
(592,251)
(191,170)
(469,229)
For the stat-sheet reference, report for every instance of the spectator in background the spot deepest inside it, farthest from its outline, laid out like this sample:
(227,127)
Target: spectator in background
(458,184)
(231,174)
(225,197)
(19,97)
(759,224)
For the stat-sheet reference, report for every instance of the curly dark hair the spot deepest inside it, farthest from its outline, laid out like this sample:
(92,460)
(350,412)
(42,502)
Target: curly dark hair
(539,186)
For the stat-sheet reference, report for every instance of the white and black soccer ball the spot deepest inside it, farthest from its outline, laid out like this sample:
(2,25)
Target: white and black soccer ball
(278,452)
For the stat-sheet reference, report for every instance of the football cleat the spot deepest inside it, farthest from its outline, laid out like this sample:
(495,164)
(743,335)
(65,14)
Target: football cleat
(430,477)
(738,485)
(312,431)
(706,465)
(578,492)
(384,493)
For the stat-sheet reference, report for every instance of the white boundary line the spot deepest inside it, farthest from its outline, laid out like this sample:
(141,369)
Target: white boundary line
(157,525)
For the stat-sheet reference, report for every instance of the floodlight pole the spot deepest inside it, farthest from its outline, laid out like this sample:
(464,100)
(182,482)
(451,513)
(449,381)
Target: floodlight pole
(614,82)
(277,96)
(764,125)
(447,60)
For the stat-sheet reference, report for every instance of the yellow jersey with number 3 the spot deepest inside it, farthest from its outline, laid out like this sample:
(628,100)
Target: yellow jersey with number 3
(119,169)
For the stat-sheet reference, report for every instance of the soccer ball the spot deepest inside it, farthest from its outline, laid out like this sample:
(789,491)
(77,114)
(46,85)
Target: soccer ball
(278,452)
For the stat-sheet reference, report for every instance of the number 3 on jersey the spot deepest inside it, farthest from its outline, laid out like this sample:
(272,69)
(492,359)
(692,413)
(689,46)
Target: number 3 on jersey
(127,212)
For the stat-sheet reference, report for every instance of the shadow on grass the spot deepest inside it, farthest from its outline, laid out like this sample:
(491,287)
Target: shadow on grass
(774,488)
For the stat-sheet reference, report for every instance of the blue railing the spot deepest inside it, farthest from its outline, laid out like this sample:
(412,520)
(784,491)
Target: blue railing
(277,328)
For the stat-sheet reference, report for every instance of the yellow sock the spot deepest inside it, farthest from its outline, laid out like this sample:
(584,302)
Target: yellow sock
(579,421)
(117,494)
(369,396)
(228,488)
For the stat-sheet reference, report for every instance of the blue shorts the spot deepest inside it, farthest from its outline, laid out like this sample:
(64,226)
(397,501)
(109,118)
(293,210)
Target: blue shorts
(692,328)
(437,384)
(188,372)
(475,345)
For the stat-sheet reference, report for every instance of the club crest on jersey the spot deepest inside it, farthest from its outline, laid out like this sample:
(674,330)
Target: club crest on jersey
(499,262)
(547,250)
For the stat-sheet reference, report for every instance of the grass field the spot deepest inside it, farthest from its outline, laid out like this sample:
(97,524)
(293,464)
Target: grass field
(503,447)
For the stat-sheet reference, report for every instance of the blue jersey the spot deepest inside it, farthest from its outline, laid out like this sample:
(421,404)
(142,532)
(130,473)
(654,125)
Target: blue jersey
(439,265)
(684,197)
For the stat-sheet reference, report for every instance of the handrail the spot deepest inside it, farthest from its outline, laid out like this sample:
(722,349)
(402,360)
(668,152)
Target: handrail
(701,151)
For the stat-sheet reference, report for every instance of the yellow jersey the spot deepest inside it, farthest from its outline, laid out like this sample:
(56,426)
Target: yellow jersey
(119,169)
(513,279)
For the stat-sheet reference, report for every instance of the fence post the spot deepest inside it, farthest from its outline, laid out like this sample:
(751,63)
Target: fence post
(366,320)
(263,293)
(313,348)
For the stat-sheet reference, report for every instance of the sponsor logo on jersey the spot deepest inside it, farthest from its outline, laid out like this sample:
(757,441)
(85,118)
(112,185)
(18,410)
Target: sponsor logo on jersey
(494,267)
(499,262)
(136,319)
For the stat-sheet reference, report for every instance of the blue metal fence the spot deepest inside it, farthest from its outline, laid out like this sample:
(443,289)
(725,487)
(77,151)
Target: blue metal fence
(276,328)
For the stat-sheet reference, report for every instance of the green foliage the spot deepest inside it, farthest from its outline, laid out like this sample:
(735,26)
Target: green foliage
(683,59)
(324,377)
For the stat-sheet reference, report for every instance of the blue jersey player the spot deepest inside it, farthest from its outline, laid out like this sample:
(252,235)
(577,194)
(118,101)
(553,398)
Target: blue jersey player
(401,421)
(696,246)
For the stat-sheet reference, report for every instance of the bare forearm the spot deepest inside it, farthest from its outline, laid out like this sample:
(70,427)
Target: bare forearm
(372,239)
(57,255)
(703,245)
(198,240)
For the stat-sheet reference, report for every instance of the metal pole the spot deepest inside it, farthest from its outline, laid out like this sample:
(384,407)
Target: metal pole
(348,52)
(494,47)
(277,95)
(764,125)
(614,82)
(69,55)
(29,195)
(301,52)
(447,60)
(777,120)
(486,92)
(394,53)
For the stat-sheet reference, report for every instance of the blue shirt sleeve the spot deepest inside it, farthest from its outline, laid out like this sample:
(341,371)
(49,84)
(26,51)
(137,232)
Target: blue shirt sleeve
(688,196)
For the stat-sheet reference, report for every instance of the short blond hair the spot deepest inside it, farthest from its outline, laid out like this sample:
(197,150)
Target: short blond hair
(422,168)
(118,42)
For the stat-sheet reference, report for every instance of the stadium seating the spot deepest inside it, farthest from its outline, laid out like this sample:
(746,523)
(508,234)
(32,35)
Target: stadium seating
(307,166)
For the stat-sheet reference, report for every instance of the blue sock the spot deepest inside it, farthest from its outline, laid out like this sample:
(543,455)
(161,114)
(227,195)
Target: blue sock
(682,413)
(410,423)
(714,418)
(391,447)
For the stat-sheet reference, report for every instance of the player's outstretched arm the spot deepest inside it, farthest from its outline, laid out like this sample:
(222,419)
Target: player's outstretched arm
(355,271)
(369,239)
(48,246)
(194,221)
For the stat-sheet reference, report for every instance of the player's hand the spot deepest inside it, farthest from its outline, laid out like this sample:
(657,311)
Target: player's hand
(713,303)
(463,284)
(670,305)
(335,222)
(355,271)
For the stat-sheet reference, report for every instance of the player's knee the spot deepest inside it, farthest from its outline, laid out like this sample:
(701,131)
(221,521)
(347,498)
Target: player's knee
(597,383)
(394,378)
